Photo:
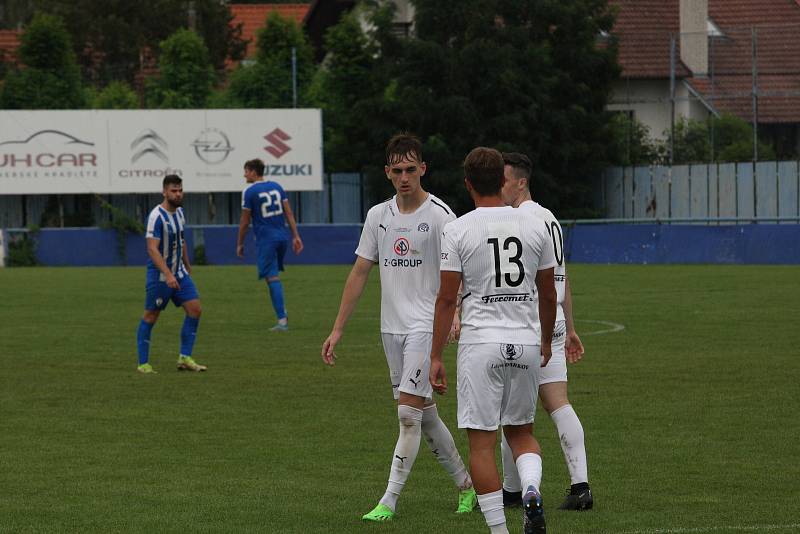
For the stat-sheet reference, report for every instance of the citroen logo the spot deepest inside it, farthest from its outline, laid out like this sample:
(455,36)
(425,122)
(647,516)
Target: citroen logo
(149,142)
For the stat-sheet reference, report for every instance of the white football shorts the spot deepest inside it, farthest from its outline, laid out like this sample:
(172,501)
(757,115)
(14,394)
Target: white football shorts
(409,359)
(556,368)
(497,384)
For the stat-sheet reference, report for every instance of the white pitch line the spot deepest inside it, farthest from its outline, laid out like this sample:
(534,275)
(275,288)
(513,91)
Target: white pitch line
(613,327)
(751,528)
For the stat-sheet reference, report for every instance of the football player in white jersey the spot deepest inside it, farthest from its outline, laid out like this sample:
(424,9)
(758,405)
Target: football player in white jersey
(503,257)
(403,236)
(567,347)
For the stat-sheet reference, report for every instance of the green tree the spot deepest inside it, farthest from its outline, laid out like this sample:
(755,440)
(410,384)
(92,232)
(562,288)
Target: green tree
(731,136)
(116,95)
(186,77)
(50,78)
(631,143)
(268,82)
(517,75)
(346,89)
(110,36)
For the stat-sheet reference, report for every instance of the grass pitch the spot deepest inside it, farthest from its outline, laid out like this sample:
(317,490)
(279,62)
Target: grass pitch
(690,412)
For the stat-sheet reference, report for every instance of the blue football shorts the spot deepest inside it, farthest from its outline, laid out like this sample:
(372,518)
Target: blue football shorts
(158,294)
(270,258)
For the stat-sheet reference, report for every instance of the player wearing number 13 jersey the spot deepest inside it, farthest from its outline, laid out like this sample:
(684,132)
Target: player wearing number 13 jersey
(504,259)
(265,204)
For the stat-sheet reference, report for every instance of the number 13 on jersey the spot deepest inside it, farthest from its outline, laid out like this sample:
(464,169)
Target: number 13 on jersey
(507,253)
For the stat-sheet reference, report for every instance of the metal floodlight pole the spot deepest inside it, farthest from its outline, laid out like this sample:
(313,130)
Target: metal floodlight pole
(294,77)
(672,98)
(755,93)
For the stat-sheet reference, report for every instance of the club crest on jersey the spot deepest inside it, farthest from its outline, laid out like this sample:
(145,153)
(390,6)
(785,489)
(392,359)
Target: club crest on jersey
(401,246)
(423,227)
(510,351)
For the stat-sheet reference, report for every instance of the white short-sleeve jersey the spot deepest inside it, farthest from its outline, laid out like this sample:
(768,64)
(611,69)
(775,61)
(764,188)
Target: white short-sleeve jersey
(407,249)
(498,252)
(554,231)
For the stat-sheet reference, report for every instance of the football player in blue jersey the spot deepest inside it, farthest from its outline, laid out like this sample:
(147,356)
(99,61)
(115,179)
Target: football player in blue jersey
(168,277)
(264,204)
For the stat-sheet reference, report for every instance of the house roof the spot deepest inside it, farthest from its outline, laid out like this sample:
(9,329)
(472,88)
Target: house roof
(776,24)
(644,27)
(643,30)
(253,17)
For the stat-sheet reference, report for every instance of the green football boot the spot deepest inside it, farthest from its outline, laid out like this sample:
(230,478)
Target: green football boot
(467,499)
(379,513)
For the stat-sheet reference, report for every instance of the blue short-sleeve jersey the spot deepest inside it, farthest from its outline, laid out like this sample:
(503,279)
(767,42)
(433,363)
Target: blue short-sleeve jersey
(265,202)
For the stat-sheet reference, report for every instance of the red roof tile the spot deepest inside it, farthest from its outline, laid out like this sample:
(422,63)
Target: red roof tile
(253,17)
(644,28)
(9,41)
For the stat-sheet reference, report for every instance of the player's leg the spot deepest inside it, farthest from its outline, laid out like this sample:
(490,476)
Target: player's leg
(480,388)
(148,321)
(512,486)
(188,298)
(486,478)
(409,414)
(528,459)
(570,433)
(436,434)
(274,253)
(518,412)
(157,295)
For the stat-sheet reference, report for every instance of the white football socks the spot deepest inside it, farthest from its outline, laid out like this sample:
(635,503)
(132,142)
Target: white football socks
(441,443)
(405,452)
(510,473)
(570,434)
(492,507)
(529,466)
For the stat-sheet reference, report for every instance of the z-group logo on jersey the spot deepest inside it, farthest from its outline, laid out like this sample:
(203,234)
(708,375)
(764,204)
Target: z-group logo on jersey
(401,246)
(278,147)
(423,227)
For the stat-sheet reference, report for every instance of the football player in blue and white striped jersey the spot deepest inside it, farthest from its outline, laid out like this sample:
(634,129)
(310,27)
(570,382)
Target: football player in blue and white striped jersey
(168,277)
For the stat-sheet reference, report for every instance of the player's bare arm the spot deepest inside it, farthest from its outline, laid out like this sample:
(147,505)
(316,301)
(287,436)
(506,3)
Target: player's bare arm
(244,224)
(545,285)
(573,345)
(185,257)
(443,313)
(455,330)
(353,287)
(297,243)
(158,260)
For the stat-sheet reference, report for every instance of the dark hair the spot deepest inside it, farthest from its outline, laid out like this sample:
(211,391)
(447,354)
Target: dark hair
(403,146)
(171,179)
(520,163)
(255,165)
(484,170)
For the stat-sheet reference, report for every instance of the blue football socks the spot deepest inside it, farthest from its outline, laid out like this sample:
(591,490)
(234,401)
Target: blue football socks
(188,334)
(276,294)
(143,341)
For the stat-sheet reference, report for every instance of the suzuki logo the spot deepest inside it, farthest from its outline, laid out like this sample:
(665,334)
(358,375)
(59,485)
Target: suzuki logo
(276,139)
(149,142)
